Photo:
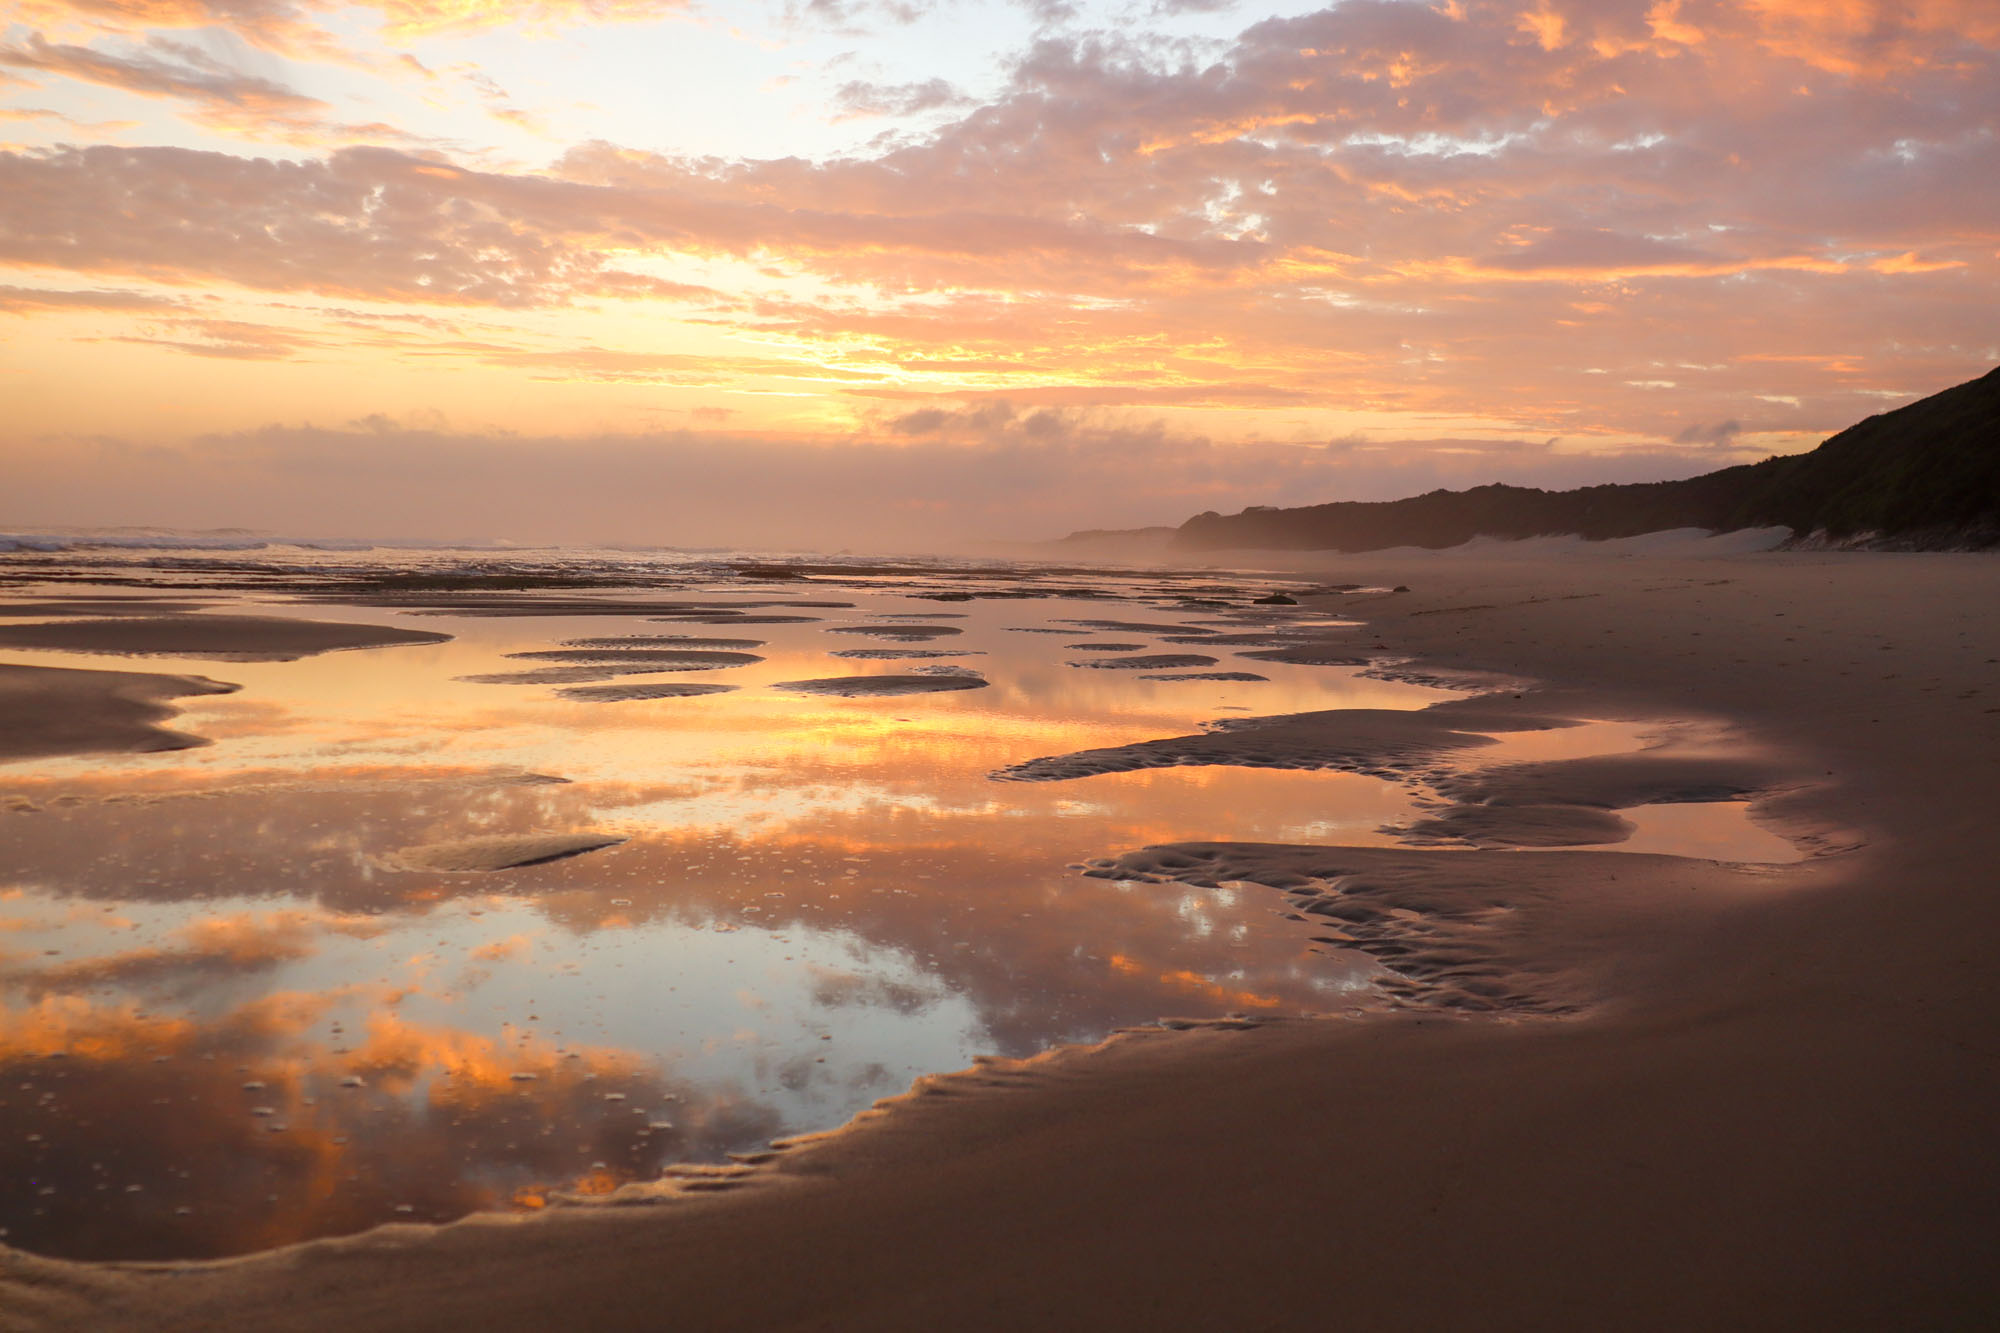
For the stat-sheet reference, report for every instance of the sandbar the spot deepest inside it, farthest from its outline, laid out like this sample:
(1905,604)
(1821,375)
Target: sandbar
(46,711)
(219,638)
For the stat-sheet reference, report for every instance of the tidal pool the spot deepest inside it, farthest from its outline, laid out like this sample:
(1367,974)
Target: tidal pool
(241,1004)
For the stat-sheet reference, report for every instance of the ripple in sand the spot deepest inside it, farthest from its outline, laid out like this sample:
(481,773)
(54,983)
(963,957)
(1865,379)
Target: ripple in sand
(1518,826)
(859,687)
(651,659)
(1250,639)
(1137,627)
(661,641)
(1207,675)
(902,654)
(899,633)
(218,638)
(560,675)
(1104,647)
(1149,662)
(498,853)
(623,693)
(710,618)
(100,606)
(1306,654)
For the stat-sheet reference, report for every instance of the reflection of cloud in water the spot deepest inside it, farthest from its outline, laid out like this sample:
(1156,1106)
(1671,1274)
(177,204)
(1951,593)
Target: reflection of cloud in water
(196,954)
(815,900)
(833,989)
(258,1128)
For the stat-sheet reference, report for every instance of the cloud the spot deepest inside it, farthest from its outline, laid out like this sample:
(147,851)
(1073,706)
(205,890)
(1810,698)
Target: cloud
(608,365)
(1376,207)
(26,300)
(290,28)
(232,340)
(220,98)
(861,98)
(405,19)
(201,953)
(852,18)
(1722,432)
(224,98)
(274,25)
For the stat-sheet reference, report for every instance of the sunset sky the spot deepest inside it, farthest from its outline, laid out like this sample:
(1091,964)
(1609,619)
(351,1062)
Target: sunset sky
(854,272)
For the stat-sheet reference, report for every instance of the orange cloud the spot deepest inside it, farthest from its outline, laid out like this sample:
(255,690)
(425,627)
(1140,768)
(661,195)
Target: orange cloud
(1909,262)
(225,99)
(416,18)
(1378,206)
(1873,38)
(289,28)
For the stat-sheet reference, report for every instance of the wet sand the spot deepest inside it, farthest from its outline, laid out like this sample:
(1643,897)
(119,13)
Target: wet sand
(1739,1098)
(214,637)
(46,711)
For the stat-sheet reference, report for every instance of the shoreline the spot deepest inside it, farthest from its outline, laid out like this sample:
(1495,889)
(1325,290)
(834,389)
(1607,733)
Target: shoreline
(1777,1120)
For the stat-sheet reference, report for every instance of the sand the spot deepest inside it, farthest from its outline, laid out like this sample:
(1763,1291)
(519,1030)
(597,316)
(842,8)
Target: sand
(899,633)
(902,654)
(661,641)
(611,694)
(216,638)
(653,659)
(870,687)
(1382,741)
(1734,1097)
(1147,662)
(46,711)
(97,606)
(502,852)
(1243,676)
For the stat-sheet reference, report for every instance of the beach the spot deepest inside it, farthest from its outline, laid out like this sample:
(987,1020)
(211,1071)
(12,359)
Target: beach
(1744,1097)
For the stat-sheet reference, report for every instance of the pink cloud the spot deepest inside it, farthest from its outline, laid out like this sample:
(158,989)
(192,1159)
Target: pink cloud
(1624,216)
(27,300)
(224,96)
(290,28)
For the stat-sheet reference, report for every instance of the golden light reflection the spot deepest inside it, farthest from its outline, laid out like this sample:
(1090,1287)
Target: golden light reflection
(810,901)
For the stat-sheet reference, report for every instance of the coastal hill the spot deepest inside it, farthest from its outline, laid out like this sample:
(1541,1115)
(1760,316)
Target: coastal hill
(1923,477)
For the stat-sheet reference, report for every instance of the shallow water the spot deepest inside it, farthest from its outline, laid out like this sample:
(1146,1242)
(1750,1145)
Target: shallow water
(233,1016)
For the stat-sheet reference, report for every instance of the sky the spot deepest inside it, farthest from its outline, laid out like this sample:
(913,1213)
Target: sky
(877,273)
